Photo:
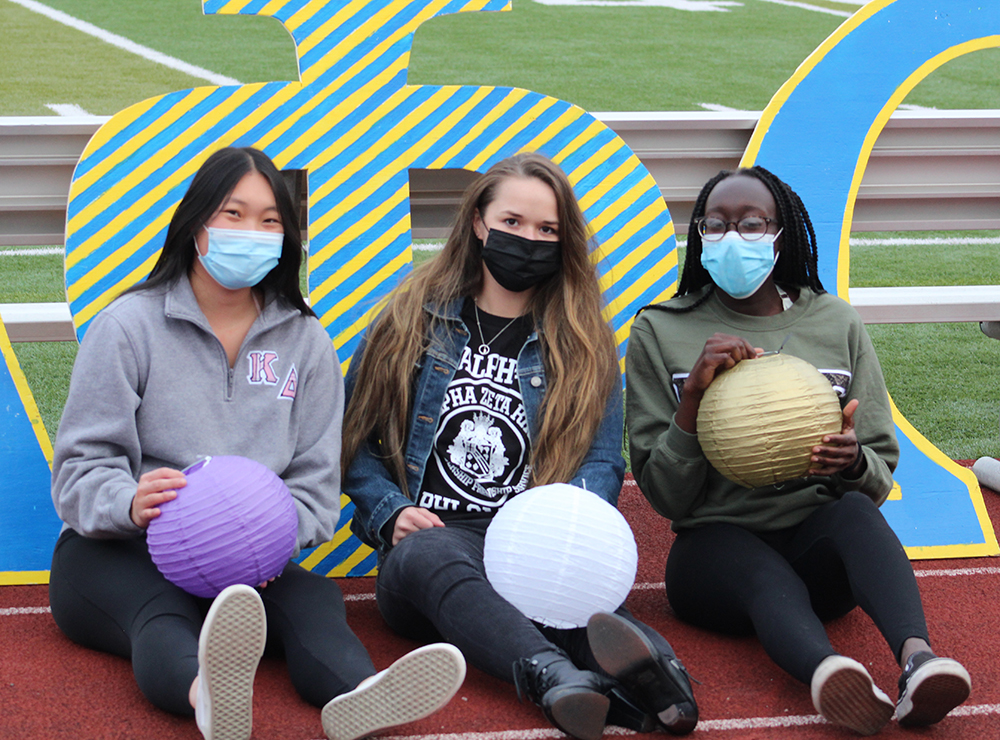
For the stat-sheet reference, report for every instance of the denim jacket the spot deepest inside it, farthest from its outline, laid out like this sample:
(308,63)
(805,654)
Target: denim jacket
(368,482)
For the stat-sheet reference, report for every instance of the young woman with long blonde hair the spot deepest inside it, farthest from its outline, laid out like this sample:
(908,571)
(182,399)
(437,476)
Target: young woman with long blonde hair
(491,370)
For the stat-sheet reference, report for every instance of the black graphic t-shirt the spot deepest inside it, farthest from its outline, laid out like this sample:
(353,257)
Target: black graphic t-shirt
(480,455)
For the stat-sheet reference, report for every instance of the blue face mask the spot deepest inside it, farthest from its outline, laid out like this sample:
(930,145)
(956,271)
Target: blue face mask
(738,266)
(240,259)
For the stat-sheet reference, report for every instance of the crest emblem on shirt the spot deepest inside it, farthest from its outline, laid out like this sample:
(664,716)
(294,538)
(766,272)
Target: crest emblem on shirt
(478,449)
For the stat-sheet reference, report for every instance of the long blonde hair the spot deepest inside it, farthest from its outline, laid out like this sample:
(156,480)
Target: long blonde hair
(578,347)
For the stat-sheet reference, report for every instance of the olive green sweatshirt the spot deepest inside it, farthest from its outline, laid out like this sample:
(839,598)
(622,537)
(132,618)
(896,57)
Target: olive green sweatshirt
(668,463)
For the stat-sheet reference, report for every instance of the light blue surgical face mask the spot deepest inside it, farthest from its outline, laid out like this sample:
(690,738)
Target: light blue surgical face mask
(737,265)
(238,258)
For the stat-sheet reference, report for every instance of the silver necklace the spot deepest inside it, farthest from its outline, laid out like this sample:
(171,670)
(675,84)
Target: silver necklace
(484,348)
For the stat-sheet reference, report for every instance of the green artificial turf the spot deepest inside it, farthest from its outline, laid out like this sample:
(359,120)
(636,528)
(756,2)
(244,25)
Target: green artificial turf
(601,58)
(31,279)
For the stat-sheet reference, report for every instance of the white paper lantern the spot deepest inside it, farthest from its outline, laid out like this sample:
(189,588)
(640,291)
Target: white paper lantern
(759,421)
(560,554)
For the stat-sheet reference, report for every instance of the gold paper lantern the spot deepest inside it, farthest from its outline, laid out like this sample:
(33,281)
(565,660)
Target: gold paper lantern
(759,421)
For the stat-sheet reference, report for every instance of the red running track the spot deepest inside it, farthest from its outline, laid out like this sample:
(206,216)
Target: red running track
(51,688)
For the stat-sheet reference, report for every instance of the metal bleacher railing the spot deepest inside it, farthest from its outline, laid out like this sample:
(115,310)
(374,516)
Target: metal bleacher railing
(929,170)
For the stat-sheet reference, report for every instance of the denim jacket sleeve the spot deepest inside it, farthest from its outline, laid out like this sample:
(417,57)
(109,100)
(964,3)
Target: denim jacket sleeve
(603,469)
(367,481)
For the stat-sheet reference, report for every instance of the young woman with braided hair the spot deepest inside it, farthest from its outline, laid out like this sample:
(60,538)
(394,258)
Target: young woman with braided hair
(779,560)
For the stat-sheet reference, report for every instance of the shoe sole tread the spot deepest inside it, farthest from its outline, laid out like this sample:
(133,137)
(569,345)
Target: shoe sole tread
(415,686)
(237,631)
(848,698)
(929,699)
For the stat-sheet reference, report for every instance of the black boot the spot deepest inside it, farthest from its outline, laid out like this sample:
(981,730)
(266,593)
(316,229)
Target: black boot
(656,683)
(573,700)
(624,713)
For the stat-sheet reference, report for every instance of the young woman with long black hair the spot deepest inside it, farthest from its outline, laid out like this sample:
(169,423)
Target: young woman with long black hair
(217,353)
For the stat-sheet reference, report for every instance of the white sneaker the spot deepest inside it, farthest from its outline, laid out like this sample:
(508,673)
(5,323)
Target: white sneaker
(415,686)
(229,648)
(844,693)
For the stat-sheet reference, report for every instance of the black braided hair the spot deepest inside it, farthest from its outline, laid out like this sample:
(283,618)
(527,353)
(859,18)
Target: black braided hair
(797,263)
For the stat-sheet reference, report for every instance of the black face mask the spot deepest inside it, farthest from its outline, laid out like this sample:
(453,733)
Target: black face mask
(518,263)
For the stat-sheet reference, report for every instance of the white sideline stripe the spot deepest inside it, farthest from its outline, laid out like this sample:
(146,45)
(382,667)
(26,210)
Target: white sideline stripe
(123,43)
(751,723)
(988,571)
(646,586)
(536,734)
(66,109)
(805,6)
(649,586)
(14,610)
(974,709)
(759,723)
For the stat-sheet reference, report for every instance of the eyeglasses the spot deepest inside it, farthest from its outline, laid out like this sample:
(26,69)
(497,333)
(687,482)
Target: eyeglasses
(751,228)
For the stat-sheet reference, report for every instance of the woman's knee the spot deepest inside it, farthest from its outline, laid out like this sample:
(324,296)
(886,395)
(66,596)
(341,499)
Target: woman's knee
(165,662)
(726,579)
(849,517)
(428,551)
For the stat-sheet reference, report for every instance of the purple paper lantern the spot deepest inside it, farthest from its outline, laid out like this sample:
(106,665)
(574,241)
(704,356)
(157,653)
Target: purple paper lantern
(234,522)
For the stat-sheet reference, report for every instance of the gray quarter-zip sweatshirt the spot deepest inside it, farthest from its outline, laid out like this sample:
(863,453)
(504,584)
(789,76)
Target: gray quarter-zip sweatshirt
(152,388)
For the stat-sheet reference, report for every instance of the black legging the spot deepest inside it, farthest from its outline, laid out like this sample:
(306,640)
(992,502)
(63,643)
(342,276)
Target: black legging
(108,595)
(783,585)
(433,586)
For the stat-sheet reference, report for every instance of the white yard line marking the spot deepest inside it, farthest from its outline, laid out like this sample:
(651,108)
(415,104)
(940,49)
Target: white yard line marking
(692,5)
(66,109)
(39,252)
(123,43)
(932,242)
(438,246)
(806,6)
(428,247)
(715,107)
